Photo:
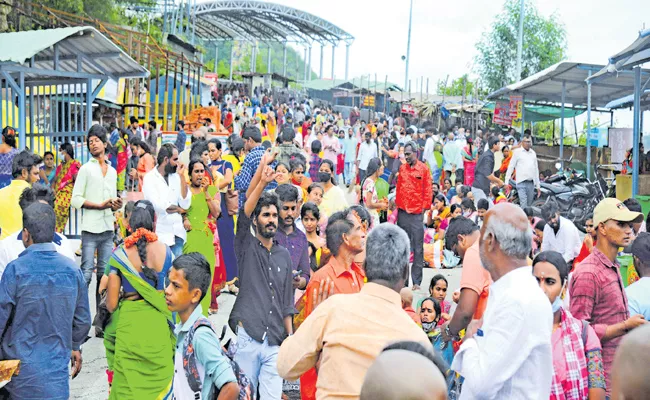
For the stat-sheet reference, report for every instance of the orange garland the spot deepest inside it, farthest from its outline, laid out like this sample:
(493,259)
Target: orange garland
(137,235)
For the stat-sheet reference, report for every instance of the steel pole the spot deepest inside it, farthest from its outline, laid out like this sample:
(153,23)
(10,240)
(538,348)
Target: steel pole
(520,41)
(284,60)
(268,61)
(309,69)
(408,48)
(216,56)
(589,125)
(322,48)
(232,56)
(347,60)
(562,125)
(305,69)
(637,130)
(333,55)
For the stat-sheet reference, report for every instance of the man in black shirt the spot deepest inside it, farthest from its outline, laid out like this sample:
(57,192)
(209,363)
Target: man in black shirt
(263,312)
(484,173)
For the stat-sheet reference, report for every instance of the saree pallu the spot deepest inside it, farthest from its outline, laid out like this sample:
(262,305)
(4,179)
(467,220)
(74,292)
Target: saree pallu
(139,341)
(63,184)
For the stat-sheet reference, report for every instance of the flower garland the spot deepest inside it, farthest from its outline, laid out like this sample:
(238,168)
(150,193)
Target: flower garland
(137,235)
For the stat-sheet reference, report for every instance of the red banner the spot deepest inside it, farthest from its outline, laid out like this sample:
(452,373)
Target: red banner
(502,113)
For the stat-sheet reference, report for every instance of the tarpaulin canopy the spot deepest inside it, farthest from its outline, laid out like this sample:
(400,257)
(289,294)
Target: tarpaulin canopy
(535,113)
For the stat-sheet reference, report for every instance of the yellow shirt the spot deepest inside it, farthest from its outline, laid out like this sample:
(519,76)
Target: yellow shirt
(11,217)
(347,332)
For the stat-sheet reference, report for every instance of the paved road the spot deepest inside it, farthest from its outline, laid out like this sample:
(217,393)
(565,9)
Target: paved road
(91,384)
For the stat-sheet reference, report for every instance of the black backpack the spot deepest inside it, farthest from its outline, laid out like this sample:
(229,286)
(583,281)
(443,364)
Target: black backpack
(192,372)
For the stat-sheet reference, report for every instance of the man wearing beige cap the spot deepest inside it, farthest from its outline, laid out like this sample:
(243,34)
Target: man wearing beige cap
(596,288)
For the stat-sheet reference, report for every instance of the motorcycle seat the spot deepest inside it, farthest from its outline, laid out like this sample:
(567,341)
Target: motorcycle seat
(555,189)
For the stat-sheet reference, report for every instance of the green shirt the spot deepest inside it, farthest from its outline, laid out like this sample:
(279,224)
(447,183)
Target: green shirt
(94,186)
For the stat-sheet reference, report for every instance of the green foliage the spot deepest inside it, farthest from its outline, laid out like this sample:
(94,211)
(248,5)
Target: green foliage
(242,59)
(112,11)
(544,44)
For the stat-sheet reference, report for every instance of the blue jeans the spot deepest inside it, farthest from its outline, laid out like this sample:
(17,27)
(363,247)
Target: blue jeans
(259,363)
(177,248)
(526,192)
(349,172)
(103,244)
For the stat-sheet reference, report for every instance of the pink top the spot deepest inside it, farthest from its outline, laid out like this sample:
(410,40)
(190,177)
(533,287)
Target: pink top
(331,148)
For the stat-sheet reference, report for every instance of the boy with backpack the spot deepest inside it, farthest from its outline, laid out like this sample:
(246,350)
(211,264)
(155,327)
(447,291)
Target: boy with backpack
(202,370)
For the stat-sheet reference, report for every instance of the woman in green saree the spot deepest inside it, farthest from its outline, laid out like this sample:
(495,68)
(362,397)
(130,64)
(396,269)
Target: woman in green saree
(139,339)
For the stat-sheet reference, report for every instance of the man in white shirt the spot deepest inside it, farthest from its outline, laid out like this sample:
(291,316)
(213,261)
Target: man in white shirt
(166,188)
(524,161)
(560,234)
(509,356)
(12,245)
(199,134)
(367,151)
(427,153)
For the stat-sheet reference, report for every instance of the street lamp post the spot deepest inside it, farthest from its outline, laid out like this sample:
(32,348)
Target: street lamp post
(520,41)
(408,47)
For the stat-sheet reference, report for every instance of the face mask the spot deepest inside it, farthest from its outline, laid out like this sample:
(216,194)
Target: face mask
(428,326)
(557,304)
(324,177)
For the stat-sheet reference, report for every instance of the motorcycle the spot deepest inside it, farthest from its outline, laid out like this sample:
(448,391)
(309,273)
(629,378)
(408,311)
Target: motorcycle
(574,194)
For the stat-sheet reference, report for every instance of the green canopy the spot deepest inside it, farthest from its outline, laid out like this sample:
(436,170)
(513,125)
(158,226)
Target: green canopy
(536,113)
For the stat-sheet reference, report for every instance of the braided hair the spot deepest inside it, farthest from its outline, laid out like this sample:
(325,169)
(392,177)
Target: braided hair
(143,217)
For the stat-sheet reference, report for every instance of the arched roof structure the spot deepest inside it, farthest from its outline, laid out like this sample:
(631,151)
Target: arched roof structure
(262,21)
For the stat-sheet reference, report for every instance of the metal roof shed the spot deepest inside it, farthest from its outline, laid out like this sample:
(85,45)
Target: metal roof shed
(567,83)
(74,60)
(632,57)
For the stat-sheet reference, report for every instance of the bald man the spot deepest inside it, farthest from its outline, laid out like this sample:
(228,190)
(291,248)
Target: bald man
(407,304)
(630,375)
(510,356)
(389,379)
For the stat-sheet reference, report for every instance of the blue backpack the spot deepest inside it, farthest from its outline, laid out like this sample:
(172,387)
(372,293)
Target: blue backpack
(192,372)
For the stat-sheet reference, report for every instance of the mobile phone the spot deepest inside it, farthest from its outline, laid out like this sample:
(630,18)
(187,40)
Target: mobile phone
(296,274)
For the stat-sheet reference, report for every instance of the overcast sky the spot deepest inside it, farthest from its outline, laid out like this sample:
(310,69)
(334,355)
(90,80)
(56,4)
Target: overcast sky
(444,33)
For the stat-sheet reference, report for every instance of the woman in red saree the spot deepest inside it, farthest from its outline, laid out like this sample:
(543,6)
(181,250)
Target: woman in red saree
(507,156)
(470,157)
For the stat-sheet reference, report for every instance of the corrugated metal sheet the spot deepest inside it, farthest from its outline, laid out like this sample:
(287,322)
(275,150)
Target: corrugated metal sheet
(546,86)
(103,57)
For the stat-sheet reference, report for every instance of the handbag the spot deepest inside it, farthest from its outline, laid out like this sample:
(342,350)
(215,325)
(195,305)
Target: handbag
(103,316)
(232,201)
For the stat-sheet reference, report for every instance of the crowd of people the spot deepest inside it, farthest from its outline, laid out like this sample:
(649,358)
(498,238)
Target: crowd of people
(321,225)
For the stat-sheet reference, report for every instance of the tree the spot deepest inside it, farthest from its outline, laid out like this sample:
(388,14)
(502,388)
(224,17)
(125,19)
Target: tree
(544,44)
(458,87)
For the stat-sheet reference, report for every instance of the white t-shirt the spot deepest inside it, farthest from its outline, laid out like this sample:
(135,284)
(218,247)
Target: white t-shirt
(12,246)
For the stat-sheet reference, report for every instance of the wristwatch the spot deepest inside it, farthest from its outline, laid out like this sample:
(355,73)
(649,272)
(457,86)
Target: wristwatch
(450,335)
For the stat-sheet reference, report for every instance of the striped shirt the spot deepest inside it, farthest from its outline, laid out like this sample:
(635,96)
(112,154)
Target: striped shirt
(597,296)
